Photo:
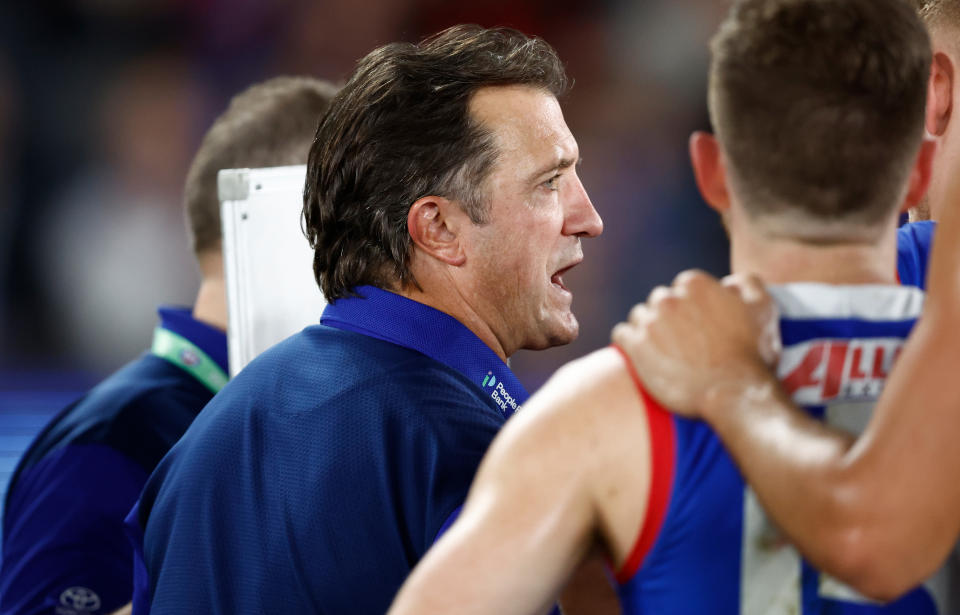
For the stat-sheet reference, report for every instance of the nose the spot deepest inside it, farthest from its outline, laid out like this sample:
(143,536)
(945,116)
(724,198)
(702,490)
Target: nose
(580,217)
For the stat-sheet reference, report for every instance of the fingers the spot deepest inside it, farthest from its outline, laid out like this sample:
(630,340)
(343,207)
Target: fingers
(639,314)
(625,335)
(694,281)
(763,311)
(750,287)
(659,295)
(752,291)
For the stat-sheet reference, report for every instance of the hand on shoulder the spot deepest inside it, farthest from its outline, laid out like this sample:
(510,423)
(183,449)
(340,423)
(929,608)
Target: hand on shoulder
(700,336)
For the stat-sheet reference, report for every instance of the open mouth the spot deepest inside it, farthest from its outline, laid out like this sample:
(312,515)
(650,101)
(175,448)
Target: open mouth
(557,278)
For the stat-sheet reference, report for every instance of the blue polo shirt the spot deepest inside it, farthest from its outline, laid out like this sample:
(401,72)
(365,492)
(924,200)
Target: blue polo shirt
(319,476)
(64,546)
(914,242)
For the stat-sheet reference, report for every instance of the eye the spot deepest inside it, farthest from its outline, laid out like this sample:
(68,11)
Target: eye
(553,182)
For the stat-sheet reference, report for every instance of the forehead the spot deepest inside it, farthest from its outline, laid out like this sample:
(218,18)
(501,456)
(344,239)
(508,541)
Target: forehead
(526,122)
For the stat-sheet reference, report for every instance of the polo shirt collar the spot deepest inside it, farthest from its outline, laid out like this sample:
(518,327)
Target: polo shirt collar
(392,318)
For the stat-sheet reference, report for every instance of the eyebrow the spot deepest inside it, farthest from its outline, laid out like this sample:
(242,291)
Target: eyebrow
(563,163)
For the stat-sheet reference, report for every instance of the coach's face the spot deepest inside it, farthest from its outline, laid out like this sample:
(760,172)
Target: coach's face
(537,212)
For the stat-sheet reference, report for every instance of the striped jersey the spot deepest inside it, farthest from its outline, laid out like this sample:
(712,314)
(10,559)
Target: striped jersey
(706,545)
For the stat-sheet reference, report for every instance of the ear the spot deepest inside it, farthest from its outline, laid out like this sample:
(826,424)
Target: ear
(709,171)
(920,175)
(939,94)
(434,224)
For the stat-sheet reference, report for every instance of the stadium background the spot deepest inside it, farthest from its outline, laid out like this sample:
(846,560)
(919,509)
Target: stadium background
(102,103)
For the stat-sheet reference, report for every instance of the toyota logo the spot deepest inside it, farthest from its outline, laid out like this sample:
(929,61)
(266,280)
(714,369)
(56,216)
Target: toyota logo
(80,599)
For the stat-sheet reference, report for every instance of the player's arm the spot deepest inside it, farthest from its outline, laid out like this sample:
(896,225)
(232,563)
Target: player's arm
(882,513)
(533,512)
(590,591)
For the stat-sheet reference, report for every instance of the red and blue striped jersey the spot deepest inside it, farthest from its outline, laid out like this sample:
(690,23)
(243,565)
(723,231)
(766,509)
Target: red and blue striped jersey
(707,546)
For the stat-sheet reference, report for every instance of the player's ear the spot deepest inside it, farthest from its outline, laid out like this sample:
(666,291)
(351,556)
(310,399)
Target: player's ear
(709,170)
(940,94)
(920,174)
(434,223)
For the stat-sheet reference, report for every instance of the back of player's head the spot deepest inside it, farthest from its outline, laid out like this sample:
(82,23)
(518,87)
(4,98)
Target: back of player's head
(818,106)
(939,12)
(267,125)
(400,130)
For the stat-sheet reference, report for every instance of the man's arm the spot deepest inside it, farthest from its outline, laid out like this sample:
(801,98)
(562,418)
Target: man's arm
(532,514)
(882,513)
(65,543)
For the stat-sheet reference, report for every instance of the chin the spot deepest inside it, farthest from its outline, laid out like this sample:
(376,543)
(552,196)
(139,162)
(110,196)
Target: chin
(559,333)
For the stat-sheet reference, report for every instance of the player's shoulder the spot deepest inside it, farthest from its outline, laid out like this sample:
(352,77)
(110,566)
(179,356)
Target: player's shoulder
(595,395)
(594,372)
(602,373)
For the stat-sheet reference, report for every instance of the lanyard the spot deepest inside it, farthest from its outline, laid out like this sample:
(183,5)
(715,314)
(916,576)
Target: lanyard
(186,355)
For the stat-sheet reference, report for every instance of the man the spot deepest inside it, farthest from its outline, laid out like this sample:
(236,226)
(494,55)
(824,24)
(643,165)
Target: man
(592,463)
(64,546)
(880,512)
(443,205)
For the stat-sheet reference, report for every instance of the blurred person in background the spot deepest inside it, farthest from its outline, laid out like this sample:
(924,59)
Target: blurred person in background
(444,207)
(114,246)
(64,545)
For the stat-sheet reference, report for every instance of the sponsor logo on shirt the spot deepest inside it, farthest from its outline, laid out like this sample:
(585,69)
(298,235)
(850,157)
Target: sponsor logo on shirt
(499,394)
(77,601)
(823,370)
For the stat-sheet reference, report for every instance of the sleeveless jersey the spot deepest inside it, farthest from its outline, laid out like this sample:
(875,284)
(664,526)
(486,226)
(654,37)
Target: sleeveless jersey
(707,546)
(914,241)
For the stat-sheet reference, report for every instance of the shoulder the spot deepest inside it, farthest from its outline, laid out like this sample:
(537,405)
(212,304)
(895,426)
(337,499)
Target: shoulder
(139,411)
(325,366)
(589,411)
(585,438)
(326,394)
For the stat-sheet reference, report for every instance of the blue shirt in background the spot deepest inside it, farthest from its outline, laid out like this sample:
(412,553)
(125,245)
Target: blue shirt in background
(65,549)
(913,252)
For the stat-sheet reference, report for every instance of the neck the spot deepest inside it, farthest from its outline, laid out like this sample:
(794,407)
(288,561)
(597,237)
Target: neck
(452,302)
(211,304)
(781,260)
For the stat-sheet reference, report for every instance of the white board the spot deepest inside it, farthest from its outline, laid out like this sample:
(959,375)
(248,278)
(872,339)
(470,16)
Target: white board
(268,264)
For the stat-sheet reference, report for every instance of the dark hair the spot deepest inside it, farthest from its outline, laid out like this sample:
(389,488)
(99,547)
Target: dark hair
(267,125)
(399,130)
(819,105)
